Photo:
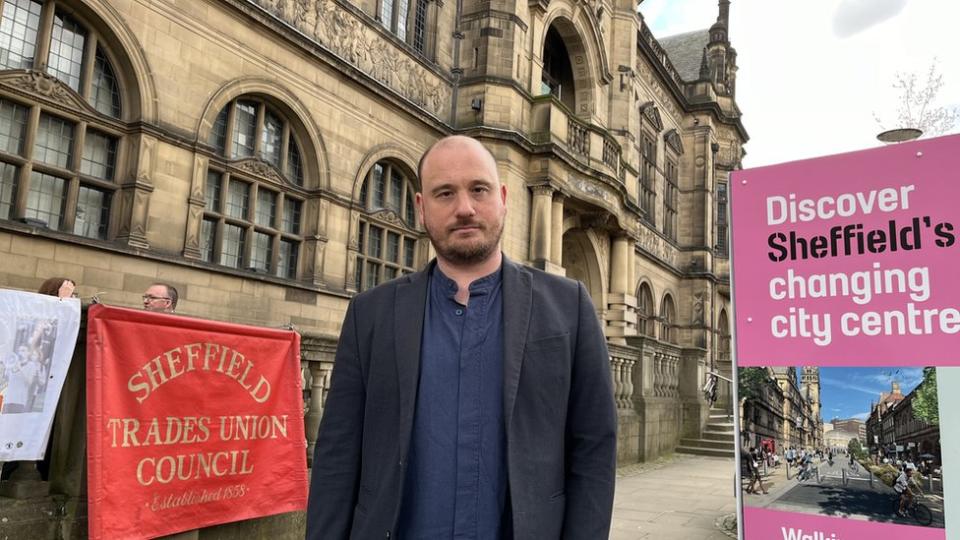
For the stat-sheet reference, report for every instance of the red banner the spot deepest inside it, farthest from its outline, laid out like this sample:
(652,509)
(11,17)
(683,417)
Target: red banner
(190,423)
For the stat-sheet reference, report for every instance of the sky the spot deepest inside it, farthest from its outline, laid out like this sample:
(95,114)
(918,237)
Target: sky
(813,75)
(848,392)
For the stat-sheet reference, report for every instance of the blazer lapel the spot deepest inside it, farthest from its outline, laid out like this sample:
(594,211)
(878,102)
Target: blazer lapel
(517,294)
(408,312)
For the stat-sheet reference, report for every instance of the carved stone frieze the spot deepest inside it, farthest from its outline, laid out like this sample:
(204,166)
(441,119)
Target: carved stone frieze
(341,32)
(45,85)
(654,244)
(597,192)
(259,168)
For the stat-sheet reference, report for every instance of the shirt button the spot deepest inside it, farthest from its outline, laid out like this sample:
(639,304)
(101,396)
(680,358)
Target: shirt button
(459,311)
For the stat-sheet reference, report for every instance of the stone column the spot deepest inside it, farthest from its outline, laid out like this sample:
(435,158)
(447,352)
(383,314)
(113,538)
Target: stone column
(556,232)
(621,313)
(540,224)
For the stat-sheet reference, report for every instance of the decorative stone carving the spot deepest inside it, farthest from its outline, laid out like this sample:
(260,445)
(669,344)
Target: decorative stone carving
(344,34)
(260,168)
(674,141)
(47,86)
(595,190)
(654,244)
(651,113)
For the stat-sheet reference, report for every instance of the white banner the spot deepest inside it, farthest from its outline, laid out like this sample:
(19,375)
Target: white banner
(37,336)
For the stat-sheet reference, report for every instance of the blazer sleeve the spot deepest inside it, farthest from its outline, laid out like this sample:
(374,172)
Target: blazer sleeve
(335,479)
(591,435)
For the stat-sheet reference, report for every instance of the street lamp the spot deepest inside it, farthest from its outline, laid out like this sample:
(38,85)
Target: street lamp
(899,135)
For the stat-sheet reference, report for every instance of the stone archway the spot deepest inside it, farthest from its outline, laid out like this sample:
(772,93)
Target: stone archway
(582,262)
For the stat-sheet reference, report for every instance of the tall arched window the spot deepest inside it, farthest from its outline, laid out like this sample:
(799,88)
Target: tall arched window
(645,326)
(388,232)
(253,217)
(58,168)
(668,320)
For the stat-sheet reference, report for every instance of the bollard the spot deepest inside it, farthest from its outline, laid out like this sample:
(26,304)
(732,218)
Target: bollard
(818,475)
(788,471)
(843,476)
(870,475)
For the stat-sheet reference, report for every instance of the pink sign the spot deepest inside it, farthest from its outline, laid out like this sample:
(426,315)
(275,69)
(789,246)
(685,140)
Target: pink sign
(849,259)
(777,525)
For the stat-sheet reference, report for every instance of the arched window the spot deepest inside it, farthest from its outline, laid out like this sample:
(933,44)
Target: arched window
(557,75)
(645,325)
(58,168)
(388,232)
(668,316)
(253,215)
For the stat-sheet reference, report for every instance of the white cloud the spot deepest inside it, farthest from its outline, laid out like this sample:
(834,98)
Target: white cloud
(804,91)
(853,16)
(861,416)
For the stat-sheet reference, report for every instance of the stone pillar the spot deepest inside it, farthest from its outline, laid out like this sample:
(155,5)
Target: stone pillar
(556,229)
(621,313)
(541,224)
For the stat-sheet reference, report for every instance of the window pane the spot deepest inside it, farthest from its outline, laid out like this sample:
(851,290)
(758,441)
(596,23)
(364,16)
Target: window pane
(218,135)
(294,163)
(238,198)
(244,129)
(93,210)
(272,139)
(420,26)
(287,266)
(291,216)
(212,203)
(208,233)
(8,189)
(66,50)
(396,191)
(409,246)
(45,199)
(373,275)
(374,241)
(13,123)
(54,141)
(389,273)
(378,187)
(99,155)
(231,253)
(18,33)
(261,252)
(104,90)
(393,247)
(362,236)
(411,215)
(386,13)
(401,24)
(266,209)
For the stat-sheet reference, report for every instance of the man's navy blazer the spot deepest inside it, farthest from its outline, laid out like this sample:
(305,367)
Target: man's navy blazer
(559,413)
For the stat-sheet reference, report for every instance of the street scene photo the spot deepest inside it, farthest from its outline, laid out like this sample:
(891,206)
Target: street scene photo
(858,443)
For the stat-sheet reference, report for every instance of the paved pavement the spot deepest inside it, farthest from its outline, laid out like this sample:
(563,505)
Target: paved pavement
(858,498)
(680,498)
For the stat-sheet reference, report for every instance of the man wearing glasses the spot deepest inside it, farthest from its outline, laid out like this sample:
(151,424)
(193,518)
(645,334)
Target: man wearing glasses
(160,297)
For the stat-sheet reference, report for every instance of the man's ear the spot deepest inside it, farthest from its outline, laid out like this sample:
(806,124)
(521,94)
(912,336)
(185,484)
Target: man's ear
(418,202)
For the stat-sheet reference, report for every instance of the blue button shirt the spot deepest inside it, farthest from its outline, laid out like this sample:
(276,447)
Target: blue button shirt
(456,478)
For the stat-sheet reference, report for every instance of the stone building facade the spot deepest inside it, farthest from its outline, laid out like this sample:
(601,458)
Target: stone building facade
(894,431)
(260,155)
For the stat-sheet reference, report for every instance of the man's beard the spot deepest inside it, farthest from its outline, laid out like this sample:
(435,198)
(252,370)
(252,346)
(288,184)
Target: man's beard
(469,252)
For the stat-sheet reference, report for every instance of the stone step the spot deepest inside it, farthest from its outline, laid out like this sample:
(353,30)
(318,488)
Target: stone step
(715,452)
(719,427)
(707,443)
(717,435)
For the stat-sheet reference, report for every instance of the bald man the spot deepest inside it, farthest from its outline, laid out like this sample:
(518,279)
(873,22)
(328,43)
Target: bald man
(472,399)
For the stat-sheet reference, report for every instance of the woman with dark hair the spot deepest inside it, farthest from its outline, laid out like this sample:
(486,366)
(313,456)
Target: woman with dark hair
(58,286)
